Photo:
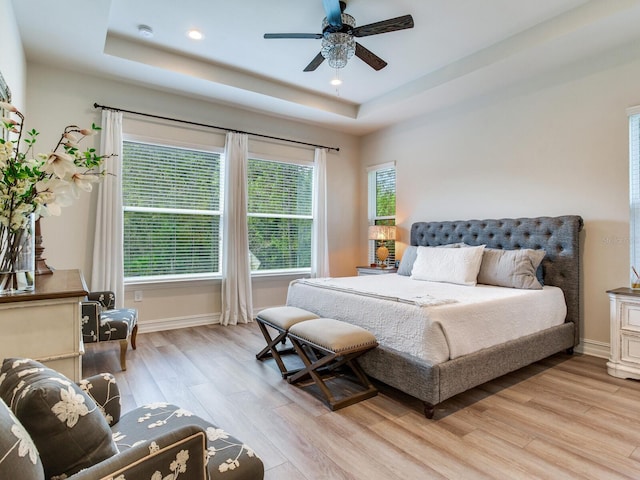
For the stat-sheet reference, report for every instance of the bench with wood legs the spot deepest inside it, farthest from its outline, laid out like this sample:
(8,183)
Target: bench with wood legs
(325,345)
(280,319)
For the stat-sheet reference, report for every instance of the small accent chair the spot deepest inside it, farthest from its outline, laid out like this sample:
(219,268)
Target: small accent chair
(102,322)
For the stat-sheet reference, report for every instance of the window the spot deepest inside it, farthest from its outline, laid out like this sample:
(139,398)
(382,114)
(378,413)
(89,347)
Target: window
(280,215)
(382,204)
(172,211)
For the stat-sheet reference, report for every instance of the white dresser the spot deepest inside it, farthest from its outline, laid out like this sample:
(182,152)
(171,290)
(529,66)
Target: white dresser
(45,324)
(624,359)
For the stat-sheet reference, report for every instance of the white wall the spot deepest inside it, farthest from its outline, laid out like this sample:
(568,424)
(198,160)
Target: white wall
(556,146)
(58,97)
(12,60)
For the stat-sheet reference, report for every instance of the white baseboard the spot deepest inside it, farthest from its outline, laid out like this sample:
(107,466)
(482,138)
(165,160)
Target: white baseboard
(593,348)
(161,324)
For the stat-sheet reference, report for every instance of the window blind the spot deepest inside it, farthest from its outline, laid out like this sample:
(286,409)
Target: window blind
(280,215)
(385,193)
(171,199)
(382,207)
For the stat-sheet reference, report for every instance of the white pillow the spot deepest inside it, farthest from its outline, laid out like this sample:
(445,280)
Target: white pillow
(409,256)
(450,265)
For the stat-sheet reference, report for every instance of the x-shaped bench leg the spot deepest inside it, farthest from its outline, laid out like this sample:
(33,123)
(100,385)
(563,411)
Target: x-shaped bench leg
(312,368)
(271,350)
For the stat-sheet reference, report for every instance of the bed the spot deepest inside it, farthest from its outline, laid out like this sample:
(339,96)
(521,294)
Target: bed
(443,369)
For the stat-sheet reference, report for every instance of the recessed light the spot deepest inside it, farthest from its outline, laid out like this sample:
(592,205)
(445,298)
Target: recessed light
(336,82)
(195,34)
(145,31)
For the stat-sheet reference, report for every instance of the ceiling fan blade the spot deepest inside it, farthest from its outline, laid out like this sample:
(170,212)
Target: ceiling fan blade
(293,35)
(315,63)
(333,12)
(370,58)
(385,26)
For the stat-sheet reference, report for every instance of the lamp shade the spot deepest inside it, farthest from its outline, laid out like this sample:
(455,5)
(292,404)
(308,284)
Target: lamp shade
(382,232)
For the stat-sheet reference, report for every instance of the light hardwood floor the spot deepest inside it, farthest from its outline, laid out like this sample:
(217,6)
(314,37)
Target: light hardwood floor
(563,417)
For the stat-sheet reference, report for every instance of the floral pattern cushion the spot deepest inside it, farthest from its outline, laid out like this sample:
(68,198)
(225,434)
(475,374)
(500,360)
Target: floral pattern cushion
(117,324)
(106,325)
(66,426)
(106,298)
(18,455)
(103,389)
(227,457)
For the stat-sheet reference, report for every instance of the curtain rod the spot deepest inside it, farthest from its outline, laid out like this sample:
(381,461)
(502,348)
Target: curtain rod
(95,105)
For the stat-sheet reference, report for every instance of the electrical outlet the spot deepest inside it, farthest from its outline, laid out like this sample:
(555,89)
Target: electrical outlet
(137,296)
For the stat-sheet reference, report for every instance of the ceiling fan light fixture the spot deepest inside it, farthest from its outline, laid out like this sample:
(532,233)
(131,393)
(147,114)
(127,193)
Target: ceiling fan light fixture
(346,20)
(337,47)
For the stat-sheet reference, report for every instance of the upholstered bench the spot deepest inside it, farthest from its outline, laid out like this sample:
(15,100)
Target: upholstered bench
(324,345)
(280,319)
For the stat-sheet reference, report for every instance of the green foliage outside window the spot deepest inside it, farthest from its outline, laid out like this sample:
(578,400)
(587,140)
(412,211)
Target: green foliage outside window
(168,244)
(172,212)
(386,193)
(385,203)
(280,214)
(171,219)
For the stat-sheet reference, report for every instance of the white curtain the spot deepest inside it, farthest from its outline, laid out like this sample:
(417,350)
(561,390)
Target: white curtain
(319,242)
(108,267)
(237,304)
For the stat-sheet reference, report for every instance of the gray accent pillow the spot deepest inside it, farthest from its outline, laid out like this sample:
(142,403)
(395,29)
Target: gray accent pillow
(407,260)
(511,268)
(65,424)
(410,254)
(19,457)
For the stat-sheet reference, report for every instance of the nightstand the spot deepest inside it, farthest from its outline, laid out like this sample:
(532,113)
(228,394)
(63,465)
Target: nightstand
(375,270)
(624,358)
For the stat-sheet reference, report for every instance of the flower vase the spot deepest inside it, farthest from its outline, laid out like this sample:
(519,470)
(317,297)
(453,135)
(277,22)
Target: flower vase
(17,259)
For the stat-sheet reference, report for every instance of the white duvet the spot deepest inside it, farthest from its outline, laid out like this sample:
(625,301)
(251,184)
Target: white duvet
(430,320)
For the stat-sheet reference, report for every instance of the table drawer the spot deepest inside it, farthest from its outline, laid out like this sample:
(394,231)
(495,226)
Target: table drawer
(630,316)
(630,351)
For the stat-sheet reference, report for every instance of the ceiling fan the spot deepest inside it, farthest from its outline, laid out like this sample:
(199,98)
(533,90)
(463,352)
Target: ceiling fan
(338,36)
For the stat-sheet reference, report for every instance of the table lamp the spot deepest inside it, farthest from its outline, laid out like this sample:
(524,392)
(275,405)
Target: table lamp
(382,233)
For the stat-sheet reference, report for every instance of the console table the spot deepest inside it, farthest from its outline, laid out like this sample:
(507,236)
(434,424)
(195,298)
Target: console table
(45,324)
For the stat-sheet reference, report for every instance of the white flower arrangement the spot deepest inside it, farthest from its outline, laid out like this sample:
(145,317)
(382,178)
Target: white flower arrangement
(42,183)
(33,184)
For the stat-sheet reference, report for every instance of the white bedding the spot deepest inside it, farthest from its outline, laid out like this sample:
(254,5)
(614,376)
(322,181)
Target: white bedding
(433,321)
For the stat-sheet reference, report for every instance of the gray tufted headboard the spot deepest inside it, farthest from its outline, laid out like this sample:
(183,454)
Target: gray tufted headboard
(558,236)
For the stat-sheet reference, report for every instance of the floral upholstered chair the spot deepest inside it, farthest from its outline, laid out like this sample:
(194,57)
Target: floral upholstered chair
(54,429)
(102,322)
